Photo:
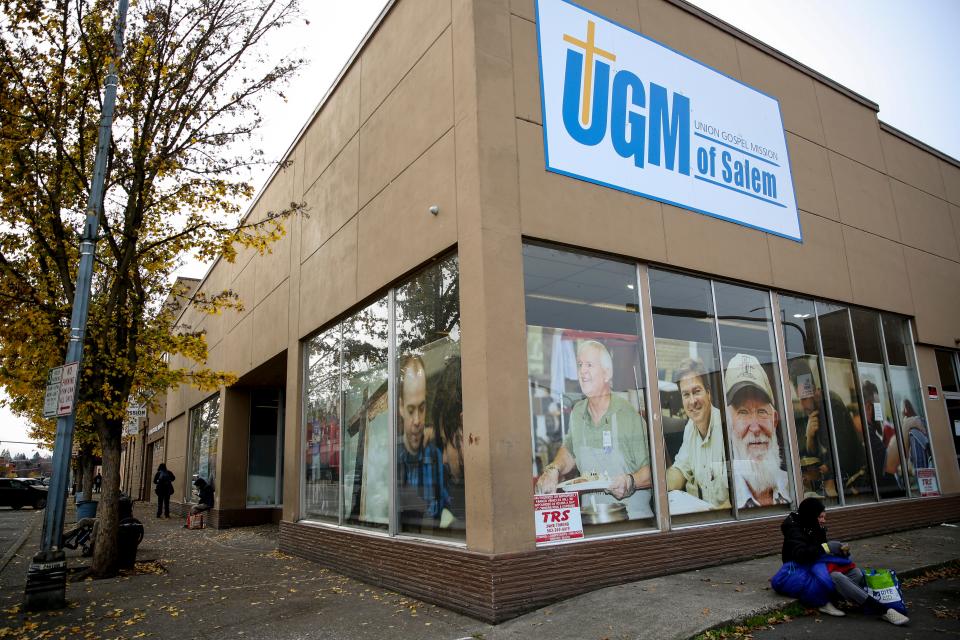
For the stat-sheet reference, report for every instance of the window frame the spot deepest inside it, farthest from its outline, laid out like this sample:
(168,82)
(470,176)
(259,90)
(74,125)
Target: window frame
(188,491)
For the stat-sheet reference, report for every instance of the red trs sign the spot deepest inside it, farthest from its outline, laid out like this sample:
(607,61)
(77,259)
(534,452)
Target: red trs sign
(557,517)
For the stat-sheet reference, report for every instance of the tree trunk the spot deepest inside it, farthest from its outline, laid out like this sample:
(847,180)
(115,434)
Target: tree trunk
(105,549)
(88,464)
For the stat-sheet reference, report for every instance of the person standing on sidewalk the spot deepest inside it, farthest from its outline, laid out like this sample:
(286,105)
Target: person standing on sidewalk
(805,544)
(163,480)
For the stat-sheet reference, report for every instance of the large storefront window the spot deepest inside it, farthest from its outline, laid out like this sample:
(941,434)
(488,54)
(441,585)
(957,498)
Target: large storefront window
(587,387)
(349,450)
(878,412)
(907,402)
(720,399)
(431,490)
(366,417)
(204,440)
(856,477)
(694,424)
(811,415)
(873,424)
(321,500)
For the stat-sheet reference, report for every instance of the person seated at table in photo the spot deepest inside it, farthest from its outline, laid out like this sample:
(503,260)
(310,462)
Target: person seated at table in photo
(447,412)
(758,475)
(422,497)
(204,496)
(880,434)
(916,440)
(606,436)
(700,466)
(813,483)
(813,437)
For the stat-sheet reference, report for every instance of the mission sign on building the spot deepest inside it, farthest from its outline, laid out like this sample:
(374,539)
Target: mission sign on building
(626,112)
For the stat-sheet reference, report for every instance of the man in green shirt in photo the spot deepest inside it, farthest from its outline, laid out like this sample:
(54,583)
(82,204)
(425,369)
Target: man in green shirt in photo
(606,436)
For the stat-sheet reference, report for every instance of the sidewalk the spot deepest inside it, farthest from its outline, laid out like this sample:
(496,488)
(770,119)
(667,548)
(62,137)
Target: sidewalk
(234,584)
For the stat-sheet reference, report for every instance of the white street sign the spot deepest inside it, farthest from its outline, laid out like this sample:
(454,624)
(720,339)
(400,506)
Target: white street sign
(50,400)
(54,376)
(68,388)
(53,392)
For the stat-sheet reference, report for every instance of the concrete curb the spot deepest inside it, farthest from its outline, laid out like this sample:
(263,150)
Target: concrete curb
(9,555)
(781,606)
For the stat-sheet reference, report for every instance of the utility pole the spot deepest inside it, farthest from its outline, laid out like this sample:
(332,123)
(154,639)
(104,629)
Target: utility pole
(47,577)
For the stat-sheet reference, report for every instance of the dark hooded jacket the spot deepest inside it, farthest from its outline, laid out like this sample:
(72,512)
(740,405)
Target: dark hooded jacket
(802,540)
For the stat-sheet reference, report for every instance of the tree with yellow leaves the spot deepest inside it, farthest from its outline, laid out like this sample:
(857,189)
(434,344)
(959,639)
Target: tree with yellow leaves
(192,76)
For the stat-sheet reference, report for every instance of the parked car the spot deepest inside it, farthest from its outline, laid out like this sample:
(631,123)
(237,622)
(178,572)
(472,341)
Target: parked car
(16,493)
(36,482)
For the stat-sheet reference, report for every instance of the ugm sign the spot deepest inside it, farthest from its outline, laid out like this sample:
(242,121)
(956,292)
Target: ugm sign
(629,113)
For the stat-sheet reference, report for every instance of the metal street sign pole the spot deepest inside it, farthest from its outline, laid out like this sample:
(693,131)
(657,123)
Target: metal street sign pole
(46,578)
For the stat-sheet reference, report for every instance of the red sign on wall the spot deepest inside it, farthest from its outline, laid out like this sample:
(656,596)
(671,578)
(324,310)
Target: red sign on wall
(557,516)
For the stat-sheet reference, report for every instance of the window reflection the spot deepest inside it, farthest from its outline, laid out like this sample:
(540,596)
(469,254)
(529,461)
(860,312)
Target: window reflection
(322,417)
(204,441)
(366,418)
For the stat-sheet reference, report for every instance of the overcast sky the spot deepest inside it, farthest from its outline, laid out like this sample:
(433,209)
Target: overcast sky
(905,56)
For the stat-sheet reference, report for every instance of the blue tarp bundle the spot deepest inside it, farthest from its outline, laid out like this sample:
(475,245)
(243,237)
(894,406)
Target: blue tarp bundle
(810,583)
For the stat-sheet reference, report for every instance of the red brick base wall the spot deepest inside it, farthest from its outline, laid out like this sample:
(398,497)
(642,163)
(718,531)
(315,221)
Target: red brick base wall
(496,588)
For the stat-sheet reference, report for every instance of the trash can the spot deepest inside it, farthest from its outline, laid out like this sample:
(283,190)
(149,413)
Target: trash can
(87,509)
(129,536)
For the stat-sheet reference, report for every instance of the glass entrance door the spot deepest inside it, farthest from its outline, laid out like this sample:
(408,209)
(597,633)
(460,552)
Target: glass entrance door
(265,463)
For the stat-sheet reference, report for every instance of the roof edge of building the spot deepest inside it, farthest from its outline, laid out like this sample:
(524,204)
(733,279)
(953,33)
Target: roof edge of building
(906,137)
(776,53)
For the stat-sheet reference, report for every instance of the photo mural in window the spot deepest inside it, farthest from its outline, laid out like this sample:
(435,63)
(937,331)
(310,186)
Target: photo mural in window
(431,489)
(587,387)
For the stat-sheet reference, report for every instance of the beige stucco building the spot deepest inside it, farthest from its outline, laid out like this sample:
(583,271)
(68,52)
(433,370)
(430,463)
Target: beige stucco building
(427,157)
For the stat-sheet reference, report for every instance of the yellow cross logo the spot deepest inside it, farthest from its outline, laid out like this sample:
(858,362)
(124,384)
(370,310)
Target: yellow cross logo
(590,50)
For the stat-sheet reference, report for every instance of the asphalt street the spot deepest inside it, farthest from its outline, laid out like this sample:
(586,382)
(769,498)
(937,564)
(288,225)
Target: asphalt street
(934,613)
(12,526)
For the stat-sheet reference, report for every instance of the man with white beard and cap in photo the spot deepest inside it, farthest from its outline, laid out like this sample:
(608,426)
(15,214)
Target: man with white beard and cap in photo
(759,480)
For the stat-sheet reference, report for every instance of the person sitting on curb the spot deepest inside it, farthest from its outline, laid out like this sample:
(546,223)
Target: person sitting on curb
(205,496)
(811,563)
